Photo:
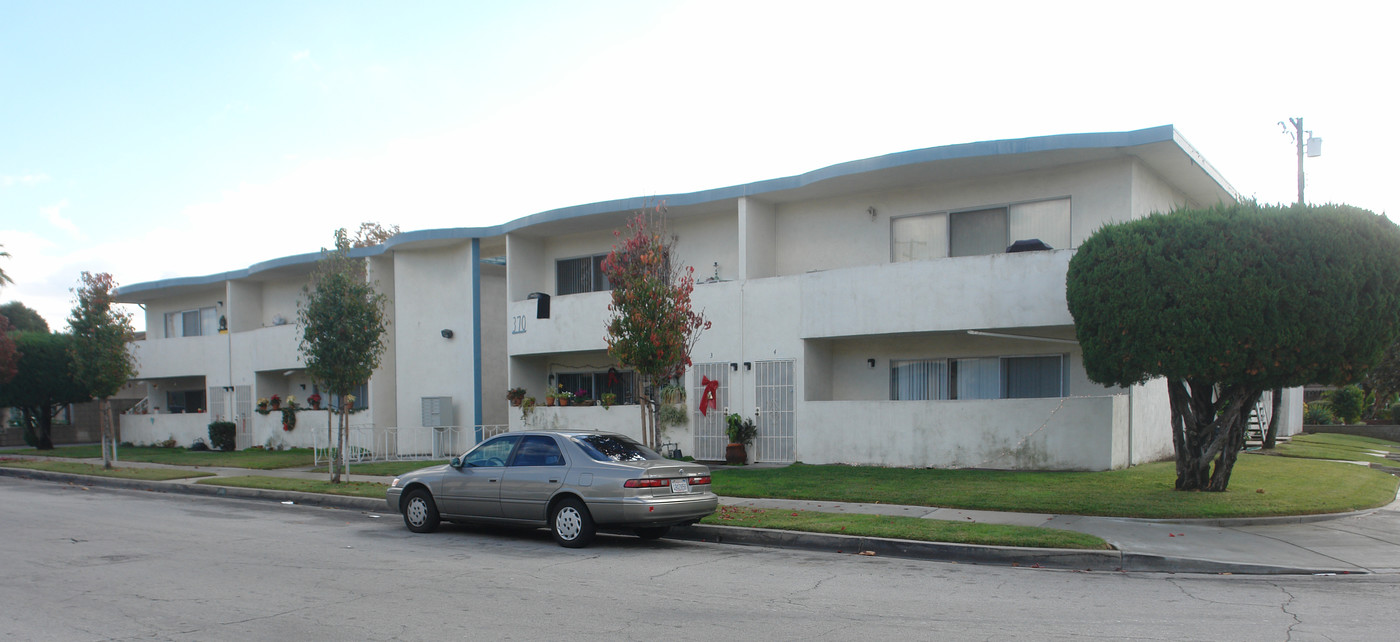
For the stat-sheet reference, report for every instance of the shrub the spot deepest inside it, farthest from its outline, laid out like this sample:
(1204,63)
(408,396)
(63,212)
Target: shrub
(1347,402)
(672,415)
(221,435)
(740,430)
(1395,414)
(1318,414)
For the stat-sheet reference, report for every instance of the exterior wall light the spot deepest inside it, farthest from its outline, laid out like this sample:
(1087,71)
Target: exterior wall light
(446,334)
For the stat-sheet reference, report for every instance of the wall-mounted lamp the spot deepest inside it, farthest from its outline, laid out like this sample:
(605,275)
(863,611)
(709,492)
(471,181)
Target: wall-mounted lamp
(748,365)
(446,334)
(551,378)
(230,388)
(871,362)
(221,303)
(733,366)
(871,211)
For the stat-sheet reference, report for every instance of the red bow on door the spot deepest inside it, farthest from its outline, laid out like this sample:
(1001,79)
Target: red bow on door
(710,398)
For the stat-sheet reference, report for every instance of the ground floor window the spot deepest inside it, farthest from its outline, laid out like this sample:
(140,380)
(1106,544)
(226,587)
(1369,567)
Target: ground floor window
(361,394)
(1021,377)
(185,400)
(596,384)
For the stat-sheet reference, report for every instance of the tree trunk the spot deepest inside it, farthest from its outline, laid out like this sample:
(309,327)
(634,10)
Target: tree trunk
(334,461)
(1271,435)
(42,429)
(1207,429)
(105,424)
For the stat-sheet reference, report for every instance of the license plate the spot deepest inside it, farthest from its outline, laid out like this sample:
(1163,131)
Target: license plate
(680,486)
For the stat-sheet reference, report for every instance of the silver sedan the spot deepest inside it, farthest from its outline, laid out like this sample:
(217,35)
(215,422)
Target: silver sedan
(574,482)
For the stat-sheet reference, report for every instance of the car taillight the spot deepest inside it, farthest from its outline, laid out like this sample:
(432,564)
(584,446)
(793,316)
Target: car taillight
(699,480)
(647,483)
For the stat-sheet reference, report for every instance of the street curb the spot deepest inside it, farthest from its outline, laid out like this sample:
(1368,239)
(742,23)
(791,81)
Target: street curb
(206,490)
(1048,558)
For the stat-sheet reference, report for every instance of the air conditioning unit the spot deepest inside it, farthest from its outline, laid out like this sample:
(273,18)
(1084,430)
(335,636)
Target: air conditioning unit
(437,411)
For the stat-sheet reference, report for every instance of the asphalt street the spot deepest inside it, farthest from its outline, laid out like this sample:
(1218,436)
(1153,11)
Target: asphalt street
(89,563)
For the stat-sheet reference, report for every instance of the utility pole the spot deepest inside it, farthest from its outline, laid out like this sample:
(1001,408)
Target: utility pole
(1313,148)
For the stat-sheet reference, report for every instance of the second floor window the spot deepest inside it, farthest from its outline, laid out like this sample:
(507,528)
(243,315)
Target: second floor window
(583,274)
(191,323)
(981,231)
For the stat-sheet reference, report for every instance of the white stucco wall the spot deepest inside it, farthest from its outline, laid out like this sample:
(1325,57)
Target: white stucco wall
(972,292)
(432,293)
(157,309)
(1043,434)
(839,232)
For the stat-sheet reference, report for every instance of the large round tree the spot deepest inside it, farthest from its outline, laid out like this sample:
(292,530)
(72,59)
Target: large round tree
(1228,302)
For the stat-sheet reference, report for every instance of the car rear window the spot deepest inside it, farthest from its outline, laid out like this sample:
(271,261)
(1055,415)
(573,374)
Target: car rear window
(614,448)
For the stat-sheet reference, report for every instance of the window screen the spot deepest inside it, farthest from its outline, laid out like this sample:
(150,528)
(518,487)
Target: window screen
(977,232)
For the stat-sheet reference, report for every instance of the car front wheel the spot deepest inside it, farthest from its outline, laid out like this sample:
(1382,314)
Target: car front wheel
(571,524)
(420,514)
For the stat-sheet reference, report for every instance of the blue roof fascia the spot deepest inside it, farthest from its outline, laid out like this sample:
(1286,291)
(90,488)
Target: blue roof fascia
(1007,147)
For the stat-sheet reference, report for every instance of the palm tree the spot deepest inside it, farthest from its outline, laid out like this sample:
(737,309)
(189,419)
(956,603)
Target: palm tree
(5,278)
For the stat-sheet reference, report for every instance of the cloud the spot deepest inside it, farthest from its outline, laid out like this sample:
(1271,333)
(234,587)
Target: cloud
(23,179)
(54,215)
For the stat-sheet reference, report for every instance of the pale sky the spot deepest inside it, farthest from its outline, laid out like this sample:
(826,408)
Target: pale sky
(166,139)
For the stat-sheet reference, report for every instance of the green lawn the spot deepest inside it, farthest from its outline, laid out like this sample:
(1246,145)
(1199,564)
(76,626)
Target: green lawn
(388,468)
(928,530)
(258,459)
(1338,447)
(80,468)
(353,489)
(1289,486)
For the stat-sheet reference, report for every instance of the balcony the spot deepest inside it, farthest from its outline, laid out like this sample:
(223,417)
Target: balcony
(576,323)
(993,291)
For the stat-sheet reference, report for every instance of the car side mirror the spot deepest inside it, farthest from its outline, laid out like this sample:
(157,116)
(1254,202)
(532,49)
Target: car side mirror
(456,462)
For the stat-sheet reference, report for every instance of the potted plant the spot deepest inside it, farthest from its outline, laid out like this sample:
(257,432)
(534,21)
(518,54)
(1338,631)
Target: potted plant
(275,402)
(527,406)
(314,400)
(609,399)
(565,397)
(515,396)
(741,432)
(262,406)
(581,397)
(551,398)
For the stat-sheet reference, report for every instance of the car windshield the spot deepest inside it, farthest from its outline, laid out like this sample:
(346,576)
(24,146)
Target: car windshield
(614,448)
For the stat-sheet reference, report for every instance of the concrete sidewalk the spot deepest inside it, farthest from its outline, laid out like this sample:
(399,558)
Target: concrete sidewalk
(1362,542)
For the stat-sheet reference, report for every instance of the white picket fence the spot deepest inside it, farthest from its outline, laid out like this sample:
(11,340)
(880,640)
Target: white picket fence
(365,444)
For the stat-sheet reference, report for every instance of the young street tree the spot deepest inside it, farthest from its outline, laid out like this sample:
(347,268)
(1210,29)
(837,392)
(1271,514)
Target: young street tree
(343,323)
(653,327)
(1228,302)
(45,384)
(101,362)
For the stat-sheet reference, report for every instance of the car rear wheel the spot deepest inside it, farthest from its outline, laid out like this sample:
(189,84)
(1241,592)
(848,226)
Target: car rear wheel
(571,524)
(420,514)
(652,532)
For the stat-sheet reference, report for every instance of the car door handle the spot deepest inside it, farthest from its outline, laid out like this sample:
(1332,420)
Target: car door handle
(553,481)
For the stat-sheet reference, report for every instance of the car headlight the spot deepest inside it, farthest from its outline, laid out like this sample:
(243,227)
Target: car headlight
(395,483)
